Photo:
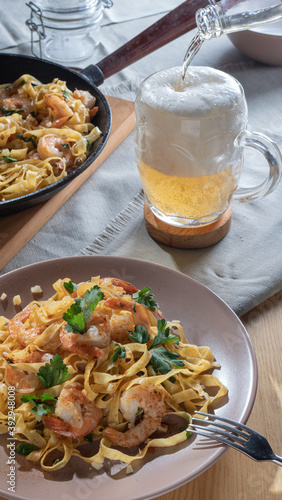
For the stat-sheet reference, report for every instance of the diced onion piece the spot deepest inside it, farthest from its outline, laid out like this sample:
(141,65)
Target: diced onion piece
(17,300)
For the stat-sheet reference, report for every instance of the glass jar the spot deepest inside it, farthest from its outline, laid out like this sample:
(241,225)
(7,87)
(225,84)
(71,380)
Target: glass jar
(67,31)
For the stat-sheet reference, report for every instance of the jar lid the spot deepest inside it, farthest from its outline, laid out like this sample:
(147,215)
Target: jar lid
(69,6)
(71,15)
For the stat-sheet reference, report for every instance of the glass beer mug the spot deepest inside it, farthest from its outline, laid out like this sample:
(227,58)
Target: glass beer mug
(190,139)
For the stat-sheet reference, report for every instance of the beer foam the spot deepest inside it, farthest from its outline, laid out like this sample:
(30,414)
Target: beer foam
(204,92)
(189,129)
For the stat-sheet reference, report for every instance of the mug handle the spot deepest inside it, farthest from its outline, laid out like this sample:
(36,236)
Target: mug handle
(273,156)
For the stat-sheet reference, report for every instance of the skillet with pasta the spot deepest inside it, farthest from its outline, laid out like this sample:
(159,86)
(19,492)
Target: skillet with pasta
(46,132)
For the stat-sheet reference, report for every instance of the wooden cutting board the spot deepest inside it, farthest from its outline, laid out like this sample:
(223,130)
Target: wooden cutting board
(17,229)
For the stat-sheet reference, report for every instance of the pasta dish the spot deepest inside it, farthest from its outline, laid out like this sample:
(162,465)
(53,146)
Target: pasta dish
(98,364)
(45,133)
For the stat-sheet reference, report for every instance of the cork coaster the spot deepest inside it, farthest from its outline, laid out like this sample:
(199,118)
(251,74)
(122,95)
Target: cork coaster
(179,237)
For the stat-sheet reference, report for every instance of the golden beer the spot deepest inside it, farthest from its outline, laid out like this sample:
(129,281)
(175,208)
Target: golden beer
(189,198)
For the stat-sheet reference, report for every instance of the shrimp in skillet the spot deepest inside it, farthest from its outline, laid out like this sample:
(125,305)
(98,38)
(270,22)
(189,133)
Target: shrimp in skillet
(59,109)
(147,399)
(75,416)
(52,146)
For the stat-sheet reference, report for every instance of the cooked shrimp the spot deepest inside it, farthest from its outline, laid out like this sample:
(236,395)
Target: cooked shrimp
(28,356)
(59,108)
(75,416)
(51,145)
(20,379)
(85,97)
(139,312)
(128,287)
(89,343)
(19,331)
(19,103)
(135,399)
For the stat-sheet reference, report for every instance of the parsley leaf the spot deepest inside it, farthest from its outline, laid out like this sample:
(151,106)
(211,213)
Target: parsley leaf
(163,360)
(163,336)
(145,298)
(188,434)
(8,112)
(24,448)
(140,335)
(53,373)
(28,139)
(40,407)
(65,94)
(8,159)
(89,437)
(66,146)
(119,352)
(80,311)
(70,286)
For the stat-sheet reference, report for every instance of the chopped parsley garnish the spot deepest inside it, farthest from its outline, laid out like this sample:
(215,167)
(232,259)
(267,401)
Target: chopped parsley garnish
(163,360)
(145,298)
(88,144)
(89,437)
(10,87)
(163,336)
(8,112)
(140,335)
(66,146)
(188,434)
(28,139)
(24,448)
(119,352)
(65,94)
(82,308)
(53,373)
(70,286)
(41,406)
(8,159)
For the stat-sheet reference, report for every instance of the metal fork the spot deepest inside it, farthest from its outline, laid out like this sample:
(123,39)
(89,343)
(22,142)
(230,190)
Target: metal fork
(236,435)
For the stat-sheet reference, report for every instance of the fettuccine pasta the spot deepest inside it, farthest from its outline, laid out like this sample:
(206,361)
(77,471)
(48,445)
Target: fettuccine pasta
(45,133)
(97,363)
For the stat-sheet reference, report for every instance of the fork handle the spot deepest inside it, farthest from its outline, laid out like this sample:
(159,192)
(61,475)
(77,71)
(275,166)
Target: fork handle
(277,460)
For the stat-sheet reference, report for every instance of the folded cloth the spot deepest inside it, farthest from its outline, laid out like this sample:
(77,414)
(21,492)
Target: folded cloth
(245,267)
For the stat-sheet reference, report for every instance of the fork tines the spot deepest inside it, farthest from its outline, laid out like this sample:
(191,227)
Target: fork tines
(219,429)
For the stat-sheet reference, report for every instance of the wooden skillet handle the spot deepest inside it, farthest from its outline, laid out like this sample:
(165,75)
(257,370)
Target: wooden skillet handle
(169,27)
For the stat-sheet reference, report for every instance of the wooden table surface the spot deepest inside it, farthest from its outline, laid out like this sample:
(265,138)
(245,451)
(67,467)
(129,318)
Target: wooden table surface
(235,476)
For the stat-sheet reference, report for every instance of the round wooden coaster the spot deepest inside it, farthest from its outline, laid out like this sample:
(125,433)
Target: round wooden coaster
(178,237)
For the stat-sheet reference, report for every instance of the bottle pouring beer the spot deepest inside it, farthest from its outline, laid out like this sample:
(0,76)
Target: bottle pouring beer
(229,16)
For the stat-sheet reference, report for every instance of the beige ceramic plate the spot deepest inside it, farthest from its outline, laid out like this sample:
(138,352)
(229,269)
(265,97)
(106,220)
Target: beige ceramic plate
(207,321)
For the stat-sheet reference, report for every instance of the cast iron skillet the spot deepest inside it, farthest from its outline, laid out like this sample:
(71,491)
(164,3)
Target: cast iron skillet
(12,66)
(171,26)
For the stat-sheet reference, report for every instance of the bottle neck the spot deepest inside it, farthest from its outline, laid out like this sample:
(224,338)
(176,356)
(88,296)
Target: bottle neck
(217,19)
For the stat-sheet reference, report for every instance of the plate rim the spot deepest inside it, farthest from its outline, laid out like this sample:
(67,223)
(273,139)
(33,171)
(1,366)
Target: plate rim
(253,388)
